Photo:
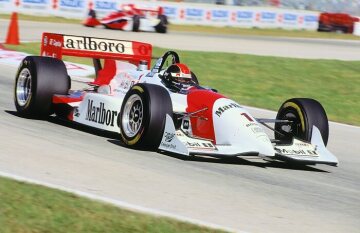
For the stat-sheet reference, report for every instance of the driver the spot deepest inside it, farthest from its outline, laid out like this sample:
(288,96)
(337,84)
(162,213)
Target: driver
(177,78)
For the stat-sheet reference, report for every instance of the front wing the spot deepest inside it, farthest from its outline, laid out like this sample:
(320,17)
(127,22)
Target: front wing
(176,141)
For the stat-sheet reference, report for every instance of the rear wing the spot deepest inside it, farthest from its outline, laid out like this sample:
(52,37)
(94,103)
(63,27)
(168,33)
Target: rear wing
(58,45)
(142,11)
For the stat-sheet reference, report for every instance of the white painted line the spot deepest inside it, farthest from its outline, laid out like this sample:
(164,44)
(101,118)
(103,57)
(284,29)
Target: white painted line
(119,203)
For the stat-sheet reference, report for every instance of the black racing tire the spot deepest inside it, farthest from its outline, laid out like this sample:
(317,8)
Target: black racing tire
(37,80)
(136,23)
(143,114)
(304,113)
(162,26)
(346,29)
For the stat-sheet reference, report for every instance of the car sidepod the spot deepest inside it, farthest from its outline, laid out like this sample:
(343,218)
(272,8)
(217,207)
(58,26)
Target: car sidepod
(99,111)
(221,127)
(237,132)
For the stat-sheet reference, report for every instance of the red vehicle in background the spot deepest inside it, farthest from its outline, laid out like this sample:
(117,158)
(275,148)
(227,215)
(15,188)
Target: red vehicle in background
(336,22)
(131,18)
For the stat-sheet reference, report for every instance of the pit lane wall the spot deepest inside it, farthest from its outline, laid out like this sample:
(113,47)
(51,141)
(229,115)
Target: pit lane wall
(178,13)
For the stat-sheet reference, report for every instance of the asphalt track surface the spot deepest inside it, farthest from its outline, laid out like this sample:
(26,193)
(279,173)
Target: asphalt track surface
(246,195)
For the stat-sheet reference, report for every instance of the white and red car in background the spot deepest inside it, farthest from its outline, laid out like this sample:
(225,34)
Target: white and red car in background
(131,98)
(131,18)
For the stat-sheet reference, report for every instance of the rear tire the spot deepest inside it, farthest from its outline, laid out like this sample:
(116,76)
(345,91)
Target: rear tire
(37,80)
(143,114)
(304,113)
(136,23)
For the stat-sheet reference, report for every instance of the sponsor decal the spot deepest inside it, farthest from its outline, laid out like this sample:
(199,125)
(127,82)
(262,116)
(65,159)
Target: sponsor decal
(200,145)
(186,124)
(54,43)
(72,3)
(220,14)
(222,109)
(170,11)
(167,144)
(35,1)
(169,136)
(100,115)
(105,5)
(298,148)
(268,15)
(76,112)
(194,12)
(251,125)
(257,129)
(35,4)
(97,45)
(310,18)
(125,83)
(241,15)
(302,144)
(300,152)
(290,17)
(45,40)
(179,134)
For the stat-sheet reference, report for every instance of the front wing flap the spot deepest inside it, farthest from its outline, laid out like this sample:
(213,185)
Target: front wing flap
(307,153)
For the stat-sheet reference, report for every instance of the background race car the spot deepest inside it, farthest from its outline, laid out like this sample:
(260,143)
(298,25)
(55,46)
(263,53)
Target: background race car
(337,22)
(163,108)
(131,18)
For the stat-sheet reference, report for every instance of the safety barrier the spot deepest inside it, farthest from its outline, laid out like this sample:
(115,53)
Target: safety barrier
(178,13)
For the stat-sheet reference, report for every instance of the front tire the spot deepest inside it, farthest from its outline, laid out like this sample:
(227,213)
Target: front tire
(37,80)
(143,114)
(304,114)
(162,26)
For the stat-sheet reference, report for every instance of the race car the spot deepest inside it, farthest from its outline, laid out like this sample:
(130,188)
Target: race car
(131,18)
(337,22)
(163,107)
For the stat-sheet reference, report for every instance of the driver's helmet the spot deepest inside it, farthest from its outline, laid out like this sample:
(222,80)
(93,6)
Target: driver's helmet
(177,77)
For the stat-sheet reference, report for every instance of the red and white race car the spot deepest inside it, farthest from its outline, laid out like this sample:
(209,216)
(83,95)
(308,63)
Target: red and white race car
(163,108)
(131,18)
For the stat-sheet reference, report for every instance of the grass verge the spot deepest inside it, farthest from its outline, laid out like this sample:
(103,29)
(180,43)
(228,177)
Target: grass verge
(266,82)
(212,30)
(33,208)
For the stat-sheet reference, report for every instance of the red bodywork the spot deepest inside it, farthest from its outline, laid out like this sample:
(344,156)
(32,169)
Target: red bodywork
(337,22)
(202,123)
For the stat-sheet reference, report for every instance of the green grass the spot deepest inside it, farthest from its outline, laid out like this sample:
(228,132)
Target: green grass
(210,29)
(266,82)
(31,208)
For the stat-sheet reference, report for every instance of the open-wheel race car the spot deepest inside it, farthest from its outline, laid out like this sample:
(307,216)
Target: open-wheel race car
(163,108)
(131,18)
